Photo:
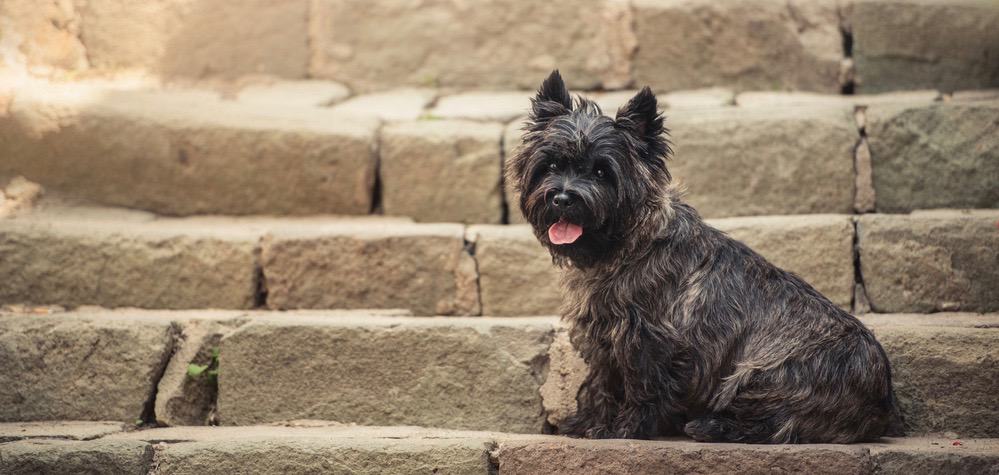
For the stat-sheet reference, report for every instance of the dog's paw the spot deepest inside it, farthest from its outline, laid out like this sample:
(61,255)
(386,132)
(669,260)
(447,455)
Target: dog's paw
(578,427)
(706,430)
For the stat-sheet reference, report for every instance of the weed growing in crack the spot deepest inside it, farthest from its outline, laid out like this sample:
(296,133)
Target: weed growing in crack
(210,370)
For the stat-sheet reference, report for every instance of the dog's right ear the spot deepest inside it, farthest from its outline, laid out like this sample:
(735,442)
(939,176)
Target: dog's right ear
(551,101)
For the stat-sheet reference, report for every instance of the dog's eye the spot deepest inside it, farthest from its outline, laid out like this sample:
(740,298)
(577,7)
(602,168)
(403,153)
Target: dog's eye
(599,172)
(552,166)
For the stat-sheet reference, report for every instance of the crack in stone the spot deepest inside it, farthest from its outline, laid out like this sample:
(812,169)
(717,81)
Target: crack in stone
(174,333)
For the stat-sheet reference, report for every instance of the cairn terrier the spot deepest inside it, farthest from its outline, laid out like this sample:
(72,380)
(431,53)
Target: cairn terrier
(684,329)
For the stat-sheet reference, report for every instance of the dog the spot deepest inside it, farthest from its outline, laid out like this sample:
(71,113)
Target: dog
(684,329)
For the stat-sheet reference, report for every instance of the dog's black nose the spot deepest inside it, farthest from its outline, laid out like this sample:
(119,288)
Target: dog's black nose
(562,200)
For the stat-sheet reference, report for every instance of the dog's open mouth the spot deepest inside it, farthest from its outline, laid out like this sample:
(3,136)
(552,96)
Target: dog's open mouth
(564,232)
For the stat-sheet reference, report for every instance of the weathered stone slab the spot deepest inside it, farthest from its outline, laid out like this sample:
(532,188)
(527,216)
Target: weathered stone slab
(442,170)
(31,457)
(738,162)
(459,373)
(72,430)
(798,98)
(481,45)
(183,152)
(944,370)
(818,248)
(394,105)
(559,455)
(566,372)
(80,366)
(512,139)
(931,261)
(293,94)
(490,106)
(116,259)
(198,39)
(746,44)
(913,44)
(975,95)
(43,35)
(935,156)
(370,264)
(318,447)
(516,274)
(905,456)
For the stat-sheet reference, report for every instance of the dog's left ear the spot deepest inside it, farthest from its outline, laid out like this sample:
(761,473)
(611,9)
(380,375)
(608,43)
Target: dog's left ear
(551,101)
(641,118)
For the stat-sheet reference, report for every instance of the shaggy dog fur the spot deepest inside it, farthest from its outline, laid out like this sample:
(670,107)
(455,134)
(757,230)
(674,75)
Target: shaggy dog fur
(683,328)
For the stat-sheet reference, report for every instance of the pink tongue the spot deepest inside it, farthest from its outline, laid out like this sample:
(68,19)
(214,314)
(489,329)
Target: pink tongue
(564,232)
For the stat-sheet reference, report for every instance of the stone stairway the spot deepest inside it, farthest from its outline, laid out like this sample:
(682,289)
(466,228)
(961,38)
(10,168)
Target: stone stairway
(310,447)
(294,226)
(505,375)
(193,151)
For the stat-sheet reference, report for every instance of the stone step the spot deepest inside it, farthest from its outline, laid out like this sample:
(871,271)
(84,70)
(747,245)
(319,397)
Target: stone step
(315,446)
(73,256)
(598,44)
(189,151)
(512,374)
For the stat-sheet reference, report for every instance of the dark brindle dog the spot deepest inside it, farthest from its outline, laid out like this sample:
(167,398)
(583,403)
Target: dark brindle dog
(683,328)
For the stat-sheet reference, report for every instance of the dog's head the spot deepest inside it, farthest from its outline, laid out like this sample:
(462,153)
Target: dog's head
(584,177)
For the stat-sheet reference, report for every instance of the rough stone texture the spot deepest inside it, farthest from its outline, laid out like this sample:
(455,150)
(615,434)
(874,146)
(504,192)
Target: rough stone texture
(945,372)
(198,38)
(461,373)
(745,44)
(180,398)
(318,448)
(492,106)
(512,139)
(95,367)
(516,274)
(866,197)
(818,248)
(443,171)
(370,264)
(698,98)
(937,456)
(784,99)
(294,94)
(58,457)
(19,196)
(394,105)
(975,95)
(42,35)
(937,156)
(74,430)
(912,44)
(116,258)
(931,261)
(566,370)
(188,152)
(738,162)
(483,44)
(556,456)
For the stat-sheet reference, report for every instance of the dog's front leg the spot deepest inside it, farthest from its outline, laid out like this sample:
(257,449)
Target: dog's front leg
(597,402)
(651,362)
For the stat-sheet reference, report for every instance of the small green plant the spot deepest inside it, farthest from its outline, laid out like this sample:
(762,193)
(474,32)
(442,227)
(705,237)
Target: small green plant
(210,370)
